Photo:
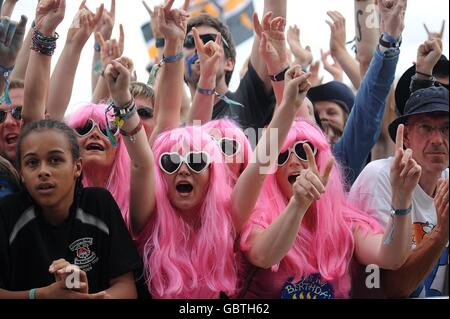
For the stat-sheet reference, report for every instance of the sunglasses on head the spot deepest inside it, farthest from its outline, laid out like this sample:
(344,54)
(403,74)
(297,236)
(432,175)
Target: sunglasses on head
(228,146)
(189,42)
(91,124)
(16,113)
(145,113)
(298,150)
(197,162)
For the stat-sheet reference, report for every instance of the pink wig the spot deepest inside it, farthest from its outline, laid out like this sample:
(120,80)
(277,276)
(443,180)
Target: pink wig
(325,242)
(229,129)
(119,177)
(182,261)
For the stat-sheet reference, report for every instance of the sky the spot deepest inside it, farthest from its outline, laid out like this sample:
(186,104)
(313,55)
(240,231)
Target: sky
(310,16)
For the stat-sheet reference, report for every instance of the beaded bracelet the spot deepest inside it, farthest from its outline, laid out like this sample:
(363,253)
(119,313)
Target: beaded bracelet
(43,44)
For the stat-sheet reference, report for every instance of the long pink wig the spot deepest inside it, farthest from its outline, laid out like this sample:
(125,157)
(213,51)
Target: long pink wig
(182,261)
(229,129)
(325,242)
(119,177)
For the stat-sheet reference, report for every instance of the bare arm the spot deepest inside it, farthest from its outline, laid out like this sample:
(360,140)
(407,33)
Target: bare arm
(402,282)
(278,9)
(105,28)
(61,83)
(249,184)
(338,49)
(142,189)
(22,58)
(169,95)
(209,55)
(49,15)
(367,32)
(122,287)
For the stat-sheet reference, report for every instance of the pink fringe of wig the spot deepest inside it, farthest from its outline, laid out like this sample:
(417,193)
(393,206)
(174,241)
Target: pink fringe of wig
(325,242)
(229,129)
(180,261)
(119,177)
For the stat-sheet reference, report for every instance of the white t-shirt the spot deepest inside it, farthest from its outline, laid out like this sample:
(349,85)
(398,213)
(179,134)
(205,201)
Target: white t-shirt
(371,192)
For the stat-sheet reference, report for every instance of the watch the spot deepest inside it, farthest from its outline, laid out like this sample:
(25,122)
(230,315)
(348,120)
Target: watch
(279,77)
(387,41)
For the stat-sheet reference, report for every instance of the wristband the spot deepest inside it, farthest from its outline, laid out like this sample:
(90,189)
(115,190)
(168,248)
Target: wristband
(133,133)
(32,293)
(396,212)
(206,91)
(279,77)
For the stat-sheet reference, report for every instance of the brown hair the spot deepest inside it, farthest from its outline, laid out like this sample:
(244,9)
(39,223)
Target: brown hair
(210,21)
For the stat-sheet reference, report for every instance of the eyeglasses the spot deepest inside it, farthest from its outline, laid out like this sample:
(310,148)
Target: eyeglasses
(197,162)
(428,130)
(145,113)
(228,146)
(189,42)
(298,150)
(91,124)
(16,113)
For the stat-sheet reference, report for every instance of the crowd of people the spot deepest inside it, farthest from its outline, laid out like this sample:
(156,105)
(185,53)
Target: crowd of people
(179,188)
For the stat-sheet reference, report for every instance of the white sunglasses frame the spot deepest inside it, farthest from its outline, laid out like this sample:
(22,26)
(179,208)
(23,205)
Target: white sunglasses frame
(183,159)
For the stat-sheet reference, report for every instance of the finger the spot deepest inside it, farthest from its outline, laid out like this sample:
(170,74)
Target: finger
(316,181)
(407,163)
(311,159)
(83,5)
(257,25)
(110,74)
(266,21)
(119,67)
(21,27)
(121,39)
(58,264)
(442,29)
(112,12)
(327,171)
(199,45)
(399,137)
(99,295)
(426,29)
(219,39)
(98,15)
(115,49)
(168,5)
(99,39)
(147,7)
(186,5)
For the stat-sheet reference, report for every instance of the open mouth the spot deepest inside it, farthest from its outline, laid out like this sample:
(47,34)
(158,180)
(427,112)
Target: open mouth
(184,188)
(11,139)
(45,187)
(293,178)
(94,147)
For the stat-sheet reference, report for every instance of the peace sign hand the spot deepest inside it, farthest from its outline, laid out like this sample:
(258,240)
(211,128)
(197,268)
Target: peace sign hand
(311,184)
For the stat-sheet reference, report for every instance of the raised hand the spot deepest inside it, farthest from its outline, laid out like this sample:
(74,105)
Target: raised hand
(107,20)
(296,85)
(154,19)
(435,35)
(11,40)
(404,175)
(209,54)
(302,55)
(8,8)
(428,55)
(118,80)
(49,14)
(110,49)
(441,204)
(338,32)
(315,78)
(311,184)
(84,23)
(334,69)
(172,22)
(392,13)
(273,42)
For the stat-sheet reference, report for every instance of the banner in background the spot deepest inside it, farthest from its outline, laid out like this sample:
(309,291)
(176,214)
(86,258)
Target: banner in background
(237,14)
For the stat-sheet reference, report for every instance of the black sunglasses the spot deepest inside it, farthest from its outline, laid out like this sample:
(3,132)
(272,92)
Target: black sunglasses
(189,42)
(197,162)
(145,113)
(298,150)
(89,127)
(16,113)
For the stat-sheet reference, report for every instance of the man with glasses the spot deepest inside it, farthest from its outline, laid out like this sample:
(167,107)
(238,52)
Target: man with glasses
(425,273)
(252,104)
(10,121)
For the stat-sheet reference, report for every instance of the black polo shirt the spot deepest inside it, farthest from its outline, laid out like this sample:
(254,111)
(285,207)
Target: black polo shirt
(94,237)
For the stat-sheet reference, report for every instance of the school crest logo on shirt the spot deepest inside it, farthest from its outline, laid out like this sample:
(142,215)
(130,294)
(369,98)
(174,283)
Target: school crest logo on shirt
(85,258)
(307,288)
